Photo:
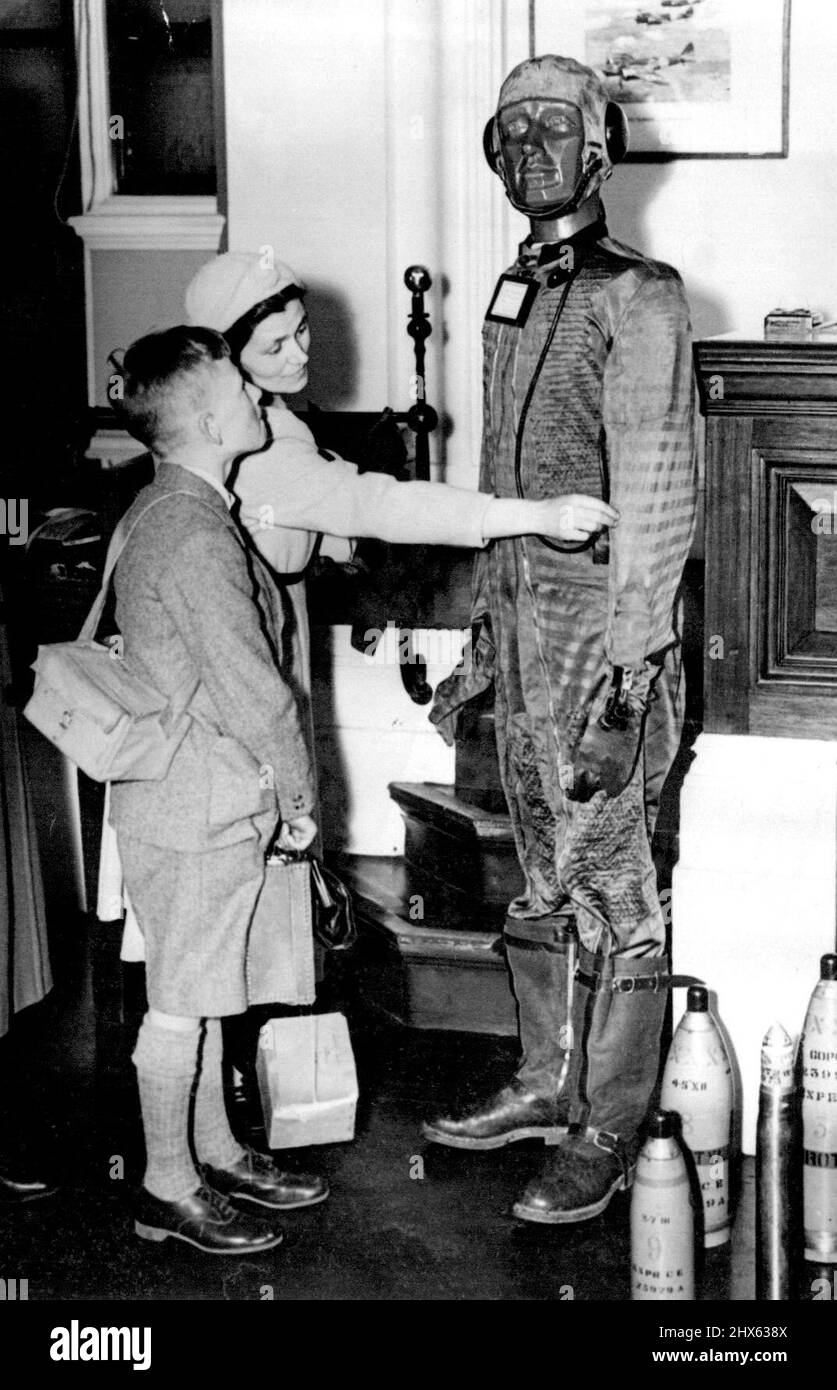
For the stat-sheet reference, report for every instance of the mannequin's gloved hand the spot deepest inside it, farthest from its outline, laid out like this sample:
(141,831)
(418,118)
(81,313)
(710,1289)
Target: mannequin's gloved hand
(606,755)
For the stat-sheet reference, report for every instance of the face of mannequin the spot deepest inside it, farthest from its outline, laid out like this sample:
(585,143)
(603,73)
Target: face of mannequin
(276,357)
(542,144)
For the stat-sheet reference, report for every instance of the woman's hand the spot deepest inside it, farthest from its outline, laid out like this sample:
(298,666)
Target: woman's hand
(575,517)
(297,834)
(572,517)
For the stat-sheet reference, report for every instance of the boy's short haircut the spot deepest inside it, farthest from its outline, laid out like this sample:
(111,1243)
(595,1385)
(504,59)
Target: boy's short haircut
(162,382)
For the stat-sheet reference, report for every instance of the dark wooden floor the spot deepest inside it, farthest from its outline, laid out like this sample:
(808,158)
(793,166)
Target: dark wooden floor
(406,1221)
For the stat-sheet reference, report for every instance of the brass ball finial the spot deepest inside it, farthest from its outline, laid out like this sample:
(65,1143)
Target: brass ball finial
(417,279)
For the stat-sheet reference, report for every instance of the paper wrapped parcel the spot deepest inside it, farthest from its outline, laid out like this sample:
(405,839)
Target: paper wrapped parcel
(308,1080)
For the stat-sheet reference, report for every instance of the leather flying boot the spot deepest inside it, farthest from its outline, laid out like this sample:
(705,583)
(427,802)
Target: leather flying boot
(529,1106)
(618,1020)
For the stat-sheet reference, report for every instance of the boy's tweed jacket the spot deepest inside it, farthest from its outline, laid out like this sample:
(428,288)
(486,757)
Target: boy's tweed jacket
(195,606)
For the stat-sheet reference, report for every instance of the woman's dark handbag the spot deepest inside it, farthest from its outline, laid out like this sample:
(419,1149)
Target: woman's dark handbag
(334,915)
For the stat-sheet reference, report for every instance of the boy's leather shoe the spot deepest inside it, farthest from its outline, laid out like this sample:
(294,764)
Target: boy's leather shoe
(255,1178)
(205,1219)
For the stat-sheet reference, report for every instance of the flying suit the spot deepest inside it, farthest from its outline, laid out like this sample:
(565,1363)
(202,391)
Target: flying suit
(611,415)
(587,389)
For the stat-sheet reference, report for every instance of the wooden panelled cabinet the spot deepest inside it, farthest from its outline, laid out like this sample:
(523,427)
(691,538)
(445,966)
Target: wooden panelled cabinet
(770,660)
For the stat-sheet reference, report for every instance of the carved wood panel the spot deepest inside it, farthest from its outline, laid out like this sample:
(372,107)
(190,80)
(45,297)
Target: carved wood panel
(771,537)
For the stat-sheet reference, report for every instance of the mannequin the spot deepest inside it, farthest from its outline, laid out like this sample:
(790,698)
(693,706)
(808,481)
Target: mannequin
(587,385)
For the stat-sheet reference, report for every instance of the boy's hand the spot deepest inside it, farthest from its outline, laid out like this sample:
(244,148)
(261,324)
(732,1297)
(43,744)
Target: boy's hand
(297,834)
(575,517)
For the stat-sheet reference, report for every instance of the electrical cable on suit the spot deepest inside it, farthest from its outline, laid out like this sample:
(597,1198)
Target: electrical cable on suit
(517,948)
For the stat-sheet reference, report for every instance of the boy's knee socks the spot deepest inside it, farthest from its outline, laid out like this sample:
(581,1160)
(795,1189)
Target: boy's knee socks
(166,1063)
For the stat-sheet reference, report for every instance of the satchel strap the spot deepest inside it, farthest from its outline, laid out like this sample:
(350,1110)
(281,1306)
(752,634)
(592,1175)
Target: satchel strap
(118,541)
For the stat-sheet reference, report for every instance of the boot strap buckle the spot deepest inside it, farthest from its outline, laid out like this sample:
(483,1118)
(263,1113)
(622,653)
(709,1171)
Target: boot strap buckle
(629,984)
(611,1144)
(605,1139)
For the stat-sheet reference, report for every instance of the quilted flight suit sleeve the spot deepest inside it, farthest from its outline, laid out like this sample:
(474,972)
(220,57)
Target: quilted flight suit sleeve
(648,417)
(208,591)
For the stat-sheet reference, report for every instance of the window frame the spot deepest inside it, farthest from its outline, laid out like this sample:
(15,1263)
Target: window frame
(111,219)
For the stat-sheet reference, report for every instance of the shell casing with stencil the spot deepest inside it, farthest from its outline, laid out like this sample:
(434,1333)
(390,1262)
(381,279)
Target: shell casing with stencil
(697,1085)
(662,1223)
(774,1167)
(818,1062)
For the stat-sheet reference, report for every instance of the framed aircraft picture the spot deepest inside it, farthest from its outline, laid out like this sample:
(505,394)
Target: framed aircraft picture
(697,78)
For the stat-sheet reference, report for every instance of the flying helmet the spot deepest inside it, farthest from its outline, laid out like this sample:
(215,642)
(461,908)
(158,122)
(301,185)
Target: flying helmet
(550,78)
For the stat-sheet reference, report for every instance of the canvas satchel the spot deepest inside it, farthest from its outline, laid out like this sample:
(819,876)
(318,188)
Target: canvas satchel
(301,901)
(101,715)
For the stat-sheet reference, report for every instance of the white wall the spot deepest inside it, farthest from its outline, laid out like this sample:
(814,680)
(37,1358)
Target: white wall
(132,292)
(750,234)
(354,148)
(306,149)
(756,904)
